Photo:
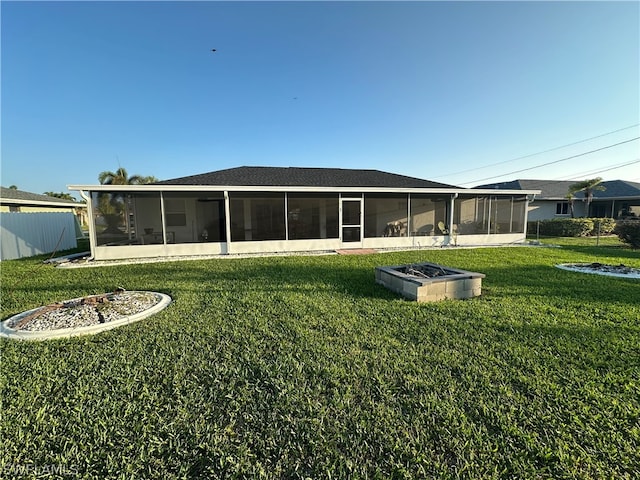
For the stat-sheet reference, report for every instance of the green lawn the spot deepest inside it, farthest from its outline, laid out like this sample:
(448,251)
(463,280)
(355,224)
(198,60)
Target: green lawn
(296,367)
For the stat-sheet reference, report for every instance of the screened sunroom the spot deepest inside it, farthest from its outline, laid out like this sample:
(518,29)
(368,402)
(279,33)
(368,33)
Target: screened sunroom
(307,210)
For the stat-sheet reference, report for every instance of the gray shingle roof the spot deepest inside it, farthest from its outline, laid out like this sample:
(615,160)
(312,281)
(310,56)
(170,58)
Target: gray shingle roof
(8,194)
(304,177)
(557,189)
(619,188)
(551,189)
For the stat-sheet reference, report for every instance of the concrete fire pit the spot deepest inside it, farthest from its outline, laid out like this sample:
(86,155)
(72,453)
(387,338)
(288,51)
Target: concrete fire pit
(430,282)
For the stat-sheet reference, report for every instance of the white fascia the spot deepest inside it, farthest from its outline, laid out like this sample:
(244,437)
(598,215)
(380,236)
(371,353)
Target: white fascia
(40,203)
(262,188)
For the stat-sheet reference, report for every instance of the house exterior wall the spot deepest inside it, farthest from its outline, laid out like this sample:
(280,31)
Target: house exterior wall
(34,208)
(546,210)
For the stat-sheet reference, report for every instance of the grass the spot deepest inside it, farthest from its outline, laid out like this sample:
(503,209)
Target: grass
(303,367)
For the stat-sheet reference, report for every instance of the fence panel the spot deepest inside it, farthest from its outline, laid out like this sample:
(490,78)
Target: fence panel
(25,234)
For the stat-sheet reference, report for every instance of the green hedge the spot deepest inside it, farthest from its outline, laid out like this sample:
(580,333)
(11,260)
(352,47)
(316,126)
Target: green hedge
(629,232)
(607,225)
(572,227)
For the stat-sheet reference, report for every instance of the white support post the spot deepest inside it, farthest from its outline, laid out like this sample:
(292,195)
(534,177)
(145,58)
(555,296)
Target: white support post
(227,220)
(162,217)
(511,216)
(489,211)
(408,215)
(92,221)
(451,212)
(361,217)
(286,216)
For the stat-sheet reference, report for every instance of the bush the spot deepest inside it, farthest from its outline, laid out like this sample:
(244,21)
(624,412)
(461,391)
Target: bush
(629,232)
(572,227)
(564,227)
(607,226)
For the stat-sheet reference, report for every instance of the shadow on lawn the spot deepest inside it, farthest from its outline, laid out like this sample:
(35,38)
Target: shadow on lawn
(352,281)
(355,277)
(358,281)
(604,252)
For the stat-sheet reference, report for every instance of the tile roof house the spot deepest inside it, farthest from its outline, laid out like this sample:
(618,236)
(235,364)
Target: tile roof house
(619,199)
(280,209)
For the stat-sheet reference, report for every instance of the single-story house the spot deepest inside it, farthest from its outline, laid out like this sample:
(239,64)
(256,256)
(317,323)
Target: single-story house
(280,209)
(33,224)
(13,200)
(619,199)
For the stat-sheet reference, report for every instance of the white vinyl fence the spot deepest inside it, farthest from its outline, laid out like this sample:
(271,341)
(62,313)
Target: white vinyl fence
(25,234)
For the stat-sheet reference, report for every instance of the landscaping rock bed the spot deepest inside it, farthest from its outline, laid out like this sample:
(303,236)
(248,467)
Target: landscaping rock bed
(85,315)
(602,269)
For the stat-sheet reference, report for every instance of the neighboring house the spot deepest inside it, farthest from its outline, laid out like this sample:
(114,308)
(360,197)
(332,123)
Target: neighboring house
(32,224)
(273,209)
(619,199)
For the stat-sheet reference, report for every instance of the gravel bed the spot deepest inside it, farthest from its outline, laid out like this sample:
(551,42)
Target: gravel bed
(621,270)
(86,311)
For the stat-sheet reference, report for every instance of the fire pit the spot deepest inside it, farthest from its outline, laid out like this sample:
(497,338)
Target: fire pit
(430,282)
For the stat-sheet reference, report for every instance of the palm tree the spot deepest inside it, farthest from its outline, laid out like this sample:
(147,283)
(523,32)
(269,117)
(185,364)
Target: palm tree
(588,187)
(112,205)
(569,196)
(121,177)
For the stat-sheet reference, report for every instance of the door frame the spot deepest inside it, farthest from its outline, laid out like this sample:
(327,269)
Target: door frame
(358,243)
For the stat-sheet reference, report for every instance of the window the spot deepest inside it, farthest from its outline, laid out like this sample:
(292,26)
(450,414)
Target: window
(471,215)
(562,208)
(489,215)
(122,218)
(195,217)
(385,216)
(175,212)
(257,216)
(426,212)
(312,216)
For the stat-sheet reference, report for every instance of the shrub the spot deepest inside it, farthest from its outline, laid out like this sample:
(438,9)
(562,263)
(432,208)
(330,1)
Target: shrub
(564,227)
(573,227)
(629,232)
(607,226)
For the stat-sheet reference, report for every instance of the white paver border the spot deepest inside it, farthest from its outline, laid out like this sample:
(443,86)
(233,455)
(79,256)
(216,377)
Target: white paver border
(584,268)
(8,332)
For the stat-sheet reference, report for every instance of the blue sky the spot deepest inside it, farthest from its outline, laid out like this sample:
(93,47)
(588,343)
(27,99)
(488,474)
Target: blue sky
(454,92)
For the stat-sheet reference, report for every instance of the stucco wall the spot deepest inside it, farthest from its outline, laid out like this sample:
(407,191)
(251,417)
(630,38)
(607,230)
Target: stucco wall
(546,210)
